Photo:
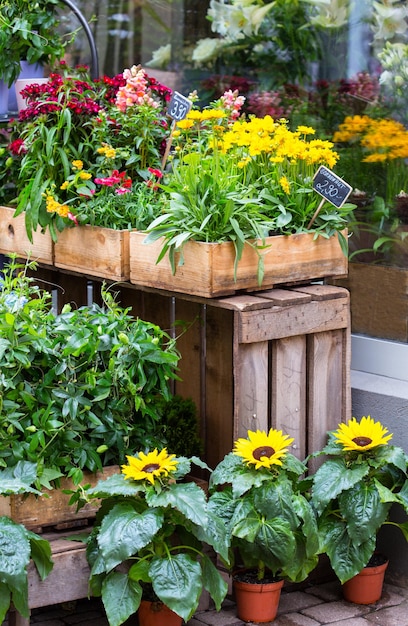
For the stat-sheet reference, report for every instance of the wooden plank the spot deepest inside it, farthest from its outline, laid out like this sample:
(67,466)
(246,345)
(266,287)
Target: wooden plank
(251,387)
(288,384)
(285,297)
(208,268)
(94,251)
(279,322)
(322,292)
(325,380)
(219,384)
(13,238)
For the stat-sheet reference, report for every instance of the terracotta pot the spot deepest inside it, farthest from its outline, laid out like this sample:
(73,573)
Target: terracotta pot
(366,587)
(157,614)
(257,602)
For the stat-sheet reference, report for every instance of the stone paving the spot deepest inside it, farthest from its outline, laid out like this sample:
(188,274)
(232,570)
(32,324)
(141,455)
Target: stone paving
(318,605)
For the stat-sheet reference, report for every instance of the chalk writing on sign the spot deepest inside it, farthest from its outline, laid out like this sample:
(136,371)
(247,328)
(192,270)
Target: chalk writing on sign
(333,188)
(179,106)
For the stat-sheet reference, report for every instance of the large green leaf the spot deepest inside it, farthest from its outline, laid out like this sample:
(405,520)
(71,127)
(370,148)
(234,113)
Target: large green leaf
(116,485)
(124,532)
(276,537)
(41,554)
(213,581)
(4,601)
(121,597)
(363,511)
(18,479)
(332,478)
(346,558)
(177,581)
(188,498)
(276,502)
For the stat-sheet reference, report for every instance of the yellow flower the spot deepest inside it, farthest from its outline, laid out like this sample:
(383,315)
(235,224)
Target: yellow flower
(285,184)
(64,185)
(149,466)
(263,449)
(85,176)
(362,435)
(78,164)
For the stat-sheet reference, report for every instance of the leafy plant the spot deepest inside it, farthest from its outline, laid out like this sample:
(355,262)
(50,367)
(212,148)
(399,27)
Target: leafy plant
(78,389)
(179,425)
(150,535)
(18,545)
(29,31)
(353,490)
(270,524)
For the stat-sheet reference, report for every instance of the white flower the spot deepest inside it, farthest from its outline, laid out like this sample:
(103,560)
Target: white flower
(160,57)
(389,21)
(207,49)
(329,13)
(240,19)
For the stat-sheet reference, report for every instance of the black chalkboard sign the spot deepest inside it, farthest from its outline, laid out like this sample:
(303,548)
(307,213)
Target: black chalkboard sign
(333,188)
(178,107)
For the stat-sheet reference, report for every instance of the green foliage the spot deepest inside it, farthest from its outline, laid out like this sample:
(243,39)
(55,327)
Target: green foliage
(28,31)
(179,425)
(152,536)
(269,522)
(352,493)
(78,389)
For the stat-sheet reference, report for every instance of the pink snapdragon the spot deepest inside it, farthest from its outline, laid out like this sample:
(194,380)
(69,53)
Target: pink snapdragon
(136,90)
(232,103)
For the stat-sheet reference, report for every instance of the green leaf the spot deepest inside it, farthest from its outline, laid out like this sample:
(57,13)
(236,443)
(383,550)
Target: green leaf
(121,597)
(116,485)
(177,581)
(4,601)
(213,582)
(41,554)
(363,511)
(332,478)
(187,498)
(124,532)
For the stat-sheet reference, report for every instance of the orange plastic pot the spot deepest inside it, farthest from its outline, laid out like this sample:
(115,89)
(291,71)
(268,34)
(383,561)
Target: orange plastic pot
(366,587)
(157,614)
(257,602)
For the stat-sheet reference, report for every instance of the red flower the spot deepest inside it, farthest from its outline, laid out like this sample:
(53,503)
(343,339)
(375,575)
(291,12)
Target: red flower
(17,147)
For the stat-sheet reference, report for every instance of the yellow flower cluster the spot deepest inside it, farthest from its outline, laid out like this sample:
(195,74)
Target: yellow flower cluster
(53,206)
(384,139)
(107,151)
(274,140)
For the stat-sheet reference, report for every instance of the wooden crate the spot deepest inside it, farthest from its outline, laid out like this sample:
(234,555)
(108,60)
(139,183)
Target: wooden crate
(13,238)
(94,251)
(378,300)
(52,509)
(208,268)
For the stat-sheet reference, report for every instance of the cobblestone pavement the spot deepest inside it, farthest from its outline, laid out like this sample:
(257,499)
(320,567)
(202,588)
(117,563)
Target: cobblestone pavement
(318,605)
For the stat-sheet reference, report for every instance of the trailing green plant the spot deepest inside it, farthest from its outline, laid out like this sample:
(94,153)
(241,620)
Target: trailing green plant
(18,545)
(353,491)
(80,388)
(151,535)
(179,426)
(271,527)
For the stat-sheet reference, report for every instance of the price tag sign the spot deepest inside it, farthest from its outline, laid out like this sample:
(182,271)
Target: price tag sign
(178,107)
(333,188)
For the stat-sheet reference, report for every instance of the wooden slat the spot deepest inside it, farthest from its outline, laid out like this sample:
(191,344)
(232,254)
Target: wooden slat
(279,322)
(251,374)
(13,238)
(288,383)
(325,387)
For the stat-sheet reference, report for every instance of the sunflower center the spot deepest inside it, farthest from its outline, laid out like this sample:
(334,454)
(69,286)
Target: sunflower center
(362,441)
(267,451)
(149,469)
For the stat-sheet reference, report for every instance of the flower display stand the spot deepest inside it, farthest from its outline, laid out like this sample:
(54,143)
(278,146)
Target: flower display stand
(278,357)
(13,239)
(208,268)
(95,251)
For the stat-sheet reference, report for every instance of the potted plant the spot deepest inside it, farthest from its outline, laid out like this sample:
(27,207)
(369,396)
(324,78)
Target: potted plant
(79,388)
(271,528)
(18,545)
(29,38)
(352,493)
(150,537)
(236,193)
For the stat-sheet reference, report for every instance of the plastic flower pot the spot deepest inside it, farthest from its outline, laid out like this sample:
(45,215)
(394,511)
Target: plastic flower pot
(366,587)
(157,614)
(257,602)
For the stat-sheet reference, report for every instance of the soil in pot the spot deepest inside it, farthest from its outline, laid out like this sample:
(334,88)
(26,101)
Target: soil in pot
(366,587)
(257,601)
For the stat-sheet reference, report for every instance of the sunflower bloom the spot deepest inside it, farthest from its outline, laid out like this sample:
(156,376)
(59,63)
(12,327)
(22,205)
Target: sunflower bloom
(263,449)
(362,435)
(149,466)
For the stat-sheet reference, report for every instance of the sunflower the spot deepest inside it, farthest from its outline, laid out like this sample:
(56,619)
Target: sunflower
(263,449)
(149,466)
(362,435)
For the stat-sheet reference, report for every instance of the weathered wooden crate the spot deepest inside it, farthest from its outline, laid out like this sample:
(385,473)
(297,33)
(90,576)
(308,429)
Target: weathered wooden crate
(378,300)
(53,508)
(208,268)
(279,358)
(94,251)
(13,239)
